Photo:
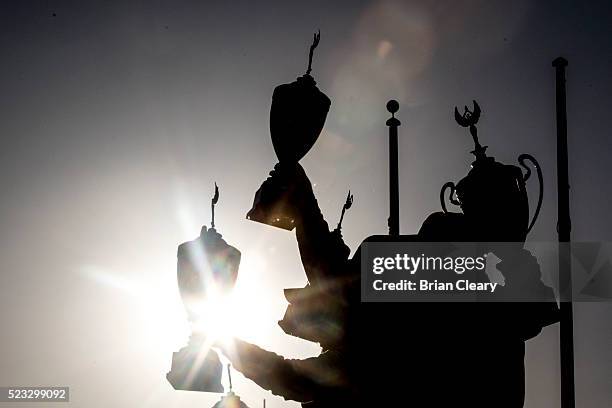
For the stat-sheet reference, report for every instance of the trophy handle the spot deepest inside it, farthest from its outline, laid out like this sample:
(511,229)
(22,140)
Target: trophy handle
(452,199)
(534,162)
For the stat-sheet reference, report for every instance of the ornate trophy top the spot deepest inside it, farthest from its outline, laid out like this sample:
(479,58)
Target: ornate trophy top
(469,118)
(297,116)
(213,202)
(493,195)
(205,262)
(315,42)
(347,205)
(206,265)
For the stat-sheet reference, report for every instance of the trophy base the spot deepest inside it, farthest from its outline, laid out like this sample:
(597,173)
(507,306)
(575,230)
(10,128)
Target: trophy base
(272,203)
(270,217)
(192,371)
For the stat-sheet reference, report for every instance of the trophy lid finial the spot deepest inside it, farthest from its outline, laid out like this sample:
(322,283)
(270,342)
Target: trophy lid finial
(347,204)
(213,202)
(315,42)
(469,118)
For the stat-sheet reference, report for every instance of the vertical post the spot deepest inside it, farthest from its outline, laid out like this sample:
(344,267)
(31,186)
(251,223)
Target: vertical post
(393,123)
(229,375)
(566,336)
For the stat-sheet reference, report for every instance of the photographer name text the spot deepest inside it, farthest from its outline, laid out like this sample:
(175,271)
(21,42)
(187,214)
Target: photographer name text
(414,264)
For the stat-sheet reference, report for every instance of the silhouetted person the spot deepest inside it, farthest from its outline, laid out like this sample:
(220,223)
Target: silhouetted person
(407,354)
(319,312)
(393,354)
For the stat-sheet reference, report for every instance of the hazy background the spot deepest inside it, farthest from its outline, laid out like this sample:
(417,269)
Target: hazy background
(117,117)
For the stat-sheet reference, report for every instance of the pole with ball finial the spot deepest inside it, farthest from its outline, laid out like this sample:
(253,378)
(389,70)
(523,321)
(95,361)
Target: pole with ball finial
(393,123)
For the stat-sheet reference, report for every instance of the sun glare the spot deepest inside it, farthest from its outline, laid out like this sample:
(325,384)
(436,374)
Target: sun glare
(243,312)
(239,312)
(217,318)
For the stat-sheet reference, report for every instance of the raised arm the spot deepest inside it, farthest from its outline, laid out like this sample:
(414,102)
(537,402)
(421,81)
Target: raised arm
(323,252)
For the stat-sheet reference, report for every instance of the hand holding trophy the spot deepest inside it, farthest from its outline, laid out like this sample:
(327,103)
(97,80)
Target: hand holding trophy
(297,116)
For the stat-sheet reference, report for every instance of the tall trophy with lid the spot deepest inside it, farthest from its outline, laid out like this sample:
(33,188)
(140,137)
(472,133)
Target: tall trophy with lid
(297,116)
(207,266)
(492,196)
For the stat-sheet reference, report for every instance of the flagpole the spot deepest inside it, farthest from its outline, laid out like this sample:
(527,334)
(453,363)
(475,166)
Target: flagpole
(393,123)
(566,336)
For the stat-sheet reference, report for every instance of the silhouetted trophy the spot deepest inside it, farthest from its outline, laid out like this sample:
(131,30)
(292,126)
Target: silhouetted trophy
(297,116)
(493,196)
(205,264)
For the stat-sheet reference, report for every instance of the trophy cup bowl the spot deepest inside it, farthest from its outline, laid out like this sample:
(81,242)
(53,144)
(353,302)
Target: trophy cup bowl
(493,196)
(297,116)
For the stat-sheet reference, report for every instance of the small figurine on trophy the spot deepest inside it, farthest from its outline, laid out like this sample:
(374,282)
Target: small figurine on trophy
(347,205)
(297,116)
(205,265)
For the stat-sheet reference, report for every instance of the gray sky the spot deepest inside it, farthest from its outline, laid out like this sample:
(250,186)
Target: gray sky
(117,117)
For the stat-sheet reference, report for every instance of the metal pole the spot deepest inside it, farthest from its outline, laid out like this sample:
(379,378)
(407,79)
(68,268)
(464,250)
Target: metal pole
(393,123)
(566,336)
(229,375)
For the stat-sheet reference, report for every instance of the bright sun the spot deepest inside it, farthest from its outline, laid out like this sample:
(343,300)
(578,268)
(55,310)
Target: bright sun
(220,318)
(244,312)
(239,313)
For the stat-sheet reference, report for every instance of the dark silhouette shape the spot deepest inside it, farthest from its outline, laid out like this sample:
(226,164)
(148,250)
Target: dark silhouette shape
(393,123)
(203,263)
(564,226)
(213,202)
(492,188)
(394,354)
(468,119)
(347,205)
(191,371)
(297,117)
(315,41)
(411,354)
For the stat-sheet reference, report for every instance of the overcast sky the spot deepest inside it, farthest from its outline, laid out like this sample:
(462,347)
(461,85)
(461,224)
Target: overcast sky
(117,117)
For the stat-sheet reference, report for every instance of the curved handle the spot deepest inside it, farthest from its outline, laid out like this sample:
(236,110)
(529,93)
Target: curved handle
(453,200)
(534,162)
